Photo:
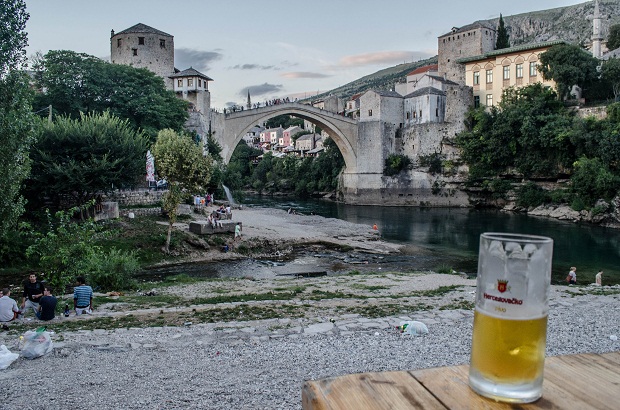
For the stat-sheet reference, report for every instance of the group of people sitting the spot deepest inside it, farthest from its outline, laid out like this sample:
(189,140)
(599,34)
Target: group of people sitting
(218,215)
(39,298)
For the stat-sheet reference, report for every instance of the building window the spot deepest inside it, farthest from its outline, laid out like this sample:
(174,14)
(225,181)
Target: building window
(519,70)
(407,114)
(420,113)
(489,100)
(436,112)
(190,82)
(141,41)
(370,113)
(162,43)
(533,70)
(199,82)
(476,77)
(180,82)
(119,42)
(489,76)
(135,51)
(476,101)
(506,72)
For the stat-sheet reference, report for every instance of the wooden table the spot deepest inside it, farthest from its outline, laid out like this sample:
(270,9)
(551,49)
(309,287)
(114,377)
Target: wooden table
(583,381)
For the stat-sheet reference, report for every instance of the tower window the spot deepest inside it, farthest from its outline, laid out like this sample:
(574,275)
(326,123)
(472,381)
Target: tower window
(141,41)
(119,42)
(370,113)
(135,51)
(179,83)
(190,82)
(199,82)
(162,43)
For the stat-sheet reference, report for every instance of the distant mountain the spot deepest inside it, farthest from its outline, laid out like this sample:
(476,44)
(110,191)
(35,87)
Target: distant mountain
(571,23)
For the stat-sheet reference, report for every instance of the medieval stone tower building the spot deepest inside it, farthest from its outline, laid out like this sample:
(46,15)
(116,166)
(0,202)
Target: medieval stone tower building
(467,41)
(142,46)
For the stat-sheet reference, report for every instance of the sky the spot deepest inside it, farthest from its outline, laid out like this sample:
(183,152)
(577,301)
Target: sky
(274,48)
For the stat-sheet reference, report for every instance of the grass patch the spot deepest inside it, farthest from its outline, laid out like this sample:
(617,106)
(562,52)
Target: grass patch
(369,288)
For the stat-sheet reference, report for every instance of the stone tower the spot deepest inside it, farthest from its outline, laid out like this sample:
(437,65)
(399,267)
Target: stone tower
(468,41)
(597,36)
(142,46)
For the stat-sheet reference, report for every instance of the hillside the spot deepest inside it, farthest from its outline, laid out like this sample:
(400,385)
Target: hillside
(571,23)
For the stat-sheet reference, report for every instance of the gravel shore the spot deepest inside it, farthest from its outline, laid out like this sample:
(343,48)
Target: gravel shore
(261,364)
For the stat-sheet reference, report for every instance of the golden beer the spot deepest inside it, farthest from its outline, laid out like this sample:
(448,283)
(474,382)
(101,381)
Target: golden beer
(508,351)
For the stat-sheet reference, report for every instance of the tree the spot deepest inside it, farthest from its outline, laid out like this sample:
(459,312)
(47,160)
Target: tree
(611,73)
(77,83)
(568,65)
(180,162)
(16,120)
(613,39)
(503,39)
(79,158)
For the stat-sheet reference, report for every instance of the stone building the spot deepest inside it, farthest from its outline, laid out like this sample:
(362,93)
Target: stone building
(142,46)
(193,86)
(386,106)
(471,40)
(412,81)
(490,73)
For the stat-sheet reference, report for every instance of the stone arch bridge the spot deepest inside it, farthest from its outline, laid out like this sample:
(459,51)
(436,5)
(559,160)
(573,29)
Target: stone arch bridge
(342,130)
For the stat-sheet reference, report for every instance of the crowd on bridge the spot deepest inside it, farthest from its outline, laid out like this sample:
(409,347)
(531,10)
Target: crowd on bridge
(267,103)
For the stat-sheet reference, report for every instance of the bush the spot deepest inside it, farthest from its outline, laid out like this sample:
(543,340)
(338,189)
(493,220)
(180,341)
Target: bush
(531,195)
(433,162)
(395,163)
(113,270)
(592,181)
(498,187)
(559,196)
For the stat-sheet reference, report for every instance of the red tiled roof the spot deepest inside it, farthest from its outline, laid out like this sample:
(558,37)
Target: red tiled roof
(420,70)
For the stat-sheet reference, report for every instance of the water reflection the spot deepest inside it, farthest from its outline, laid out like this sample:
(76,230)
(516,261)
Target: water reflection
(453,233)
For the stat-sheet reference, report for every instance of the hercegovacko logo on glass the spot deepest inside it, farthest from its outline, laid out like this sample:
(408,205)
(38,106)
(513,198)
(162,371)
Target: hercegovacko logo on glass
(502,287)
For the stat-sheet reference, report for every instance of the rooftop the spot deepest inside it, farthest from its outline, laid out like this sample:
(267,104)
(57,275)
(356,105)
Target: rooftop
(510,50)
(190,72)
(425,91)
(143,28)
(424,69)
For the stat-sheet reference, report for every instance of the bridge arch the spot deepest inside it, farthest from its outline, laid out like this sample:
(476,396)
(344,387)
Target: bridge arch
(342,130)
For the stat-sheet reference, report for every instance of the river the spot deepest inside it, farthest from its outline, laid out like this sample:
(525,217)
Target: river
(449,237)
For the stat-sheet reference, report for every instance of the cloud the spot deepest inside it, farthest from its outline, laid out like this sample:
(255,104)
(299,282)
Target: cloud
(261,89)
(382,57)
(303,74)
(253,67)
(185,58)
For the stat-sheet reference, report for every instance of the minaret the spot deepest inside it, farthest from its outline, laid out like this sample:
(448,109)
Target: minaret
(249,104)
(597,36)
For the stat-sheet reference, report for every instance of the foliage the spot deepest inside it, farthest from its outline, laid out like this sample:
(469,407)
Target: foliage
(299,134)
(284,121)
(240,166)
(503,39)
(77,83)
(568,65)
(529,131)
(610,72)
(79,158)
(16,120)
(498,187)
(613,38)
(112,270)
(62,250)
(592,180)
(214,148)
(531,195)
(395,163)
(433,162)
(180,162)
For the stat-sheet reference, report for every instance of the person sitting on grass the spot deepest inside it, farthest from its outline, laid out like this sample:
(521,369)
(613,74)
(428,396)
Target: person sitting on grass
(82,297)
(8,308)
(47,305)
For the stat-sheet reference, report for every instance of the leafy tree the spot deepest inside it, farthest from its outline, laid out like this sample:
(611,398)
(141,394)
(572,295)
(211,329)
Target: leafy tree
(568,65)
(181,162)
(77,83)
(284,121)
(16,120)
(592,180)
(395,163)
(214,148)
(503,39)
(79,158)
(611,73)
(613,39)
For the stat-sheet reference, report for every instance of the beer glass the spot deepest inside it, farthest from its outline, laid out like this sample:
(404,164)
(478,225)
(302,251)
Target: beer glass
(510,320)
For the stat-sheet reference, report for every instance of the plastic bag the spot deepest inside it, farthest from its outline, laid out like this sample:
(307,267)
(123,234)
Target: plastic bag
(36,344)
(413,328)
(6,357)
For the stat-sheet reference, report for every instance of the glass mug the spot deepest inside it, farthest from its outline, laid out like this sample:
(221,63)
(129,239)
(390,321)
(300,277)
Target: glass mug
(510,320)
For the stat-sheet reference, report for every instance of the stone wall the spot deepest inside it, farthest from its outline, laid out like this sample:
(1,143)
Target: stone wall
(461,43)
(597,112)
(136,198)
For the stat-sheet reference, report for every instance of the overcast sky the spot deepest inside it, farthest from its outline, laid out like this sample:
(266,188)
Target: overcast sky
(275,48)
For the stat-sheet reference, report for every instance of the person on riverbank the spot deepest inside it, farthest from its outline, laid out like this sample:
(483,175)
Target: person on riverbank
(572,276)
(238,231)
(598,279)
(33,291)
(375,228)
(8,308)
(82,297)
(47,305)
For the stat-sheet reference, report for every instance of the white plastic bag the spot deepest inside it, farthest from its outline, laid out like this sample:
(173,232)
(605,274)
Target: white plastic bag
(6,357)
(36,344)
(413,328)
